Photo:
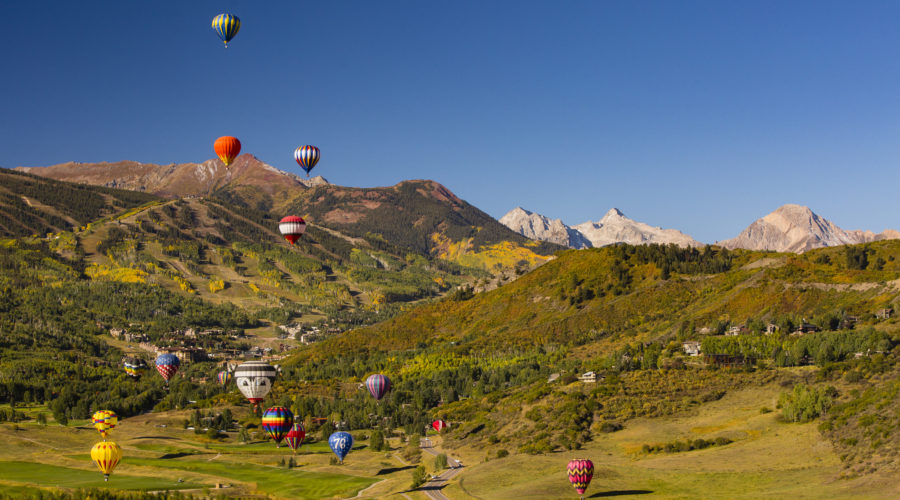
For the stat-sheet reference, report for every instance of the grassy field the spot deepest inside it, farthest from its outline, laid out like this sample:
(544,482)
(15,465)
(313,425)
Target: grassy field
(768,459)
(156,458)
(66,477)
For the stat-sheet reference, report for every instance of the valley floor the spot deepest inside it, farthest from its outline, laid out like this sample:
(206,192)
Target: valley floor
(768,459)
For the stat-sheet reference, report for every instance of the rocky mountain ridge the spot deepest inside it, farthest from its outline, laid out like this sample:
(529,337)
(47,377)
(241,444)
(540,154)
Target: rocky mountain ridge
(614,227)
(796,228)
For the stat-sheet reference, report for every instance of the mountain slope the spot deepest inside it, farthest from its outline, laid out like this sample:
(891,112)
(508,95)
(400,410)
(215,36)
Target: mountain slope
(269,185)
(796,228)
(423,216)
(33,205)
(539,227)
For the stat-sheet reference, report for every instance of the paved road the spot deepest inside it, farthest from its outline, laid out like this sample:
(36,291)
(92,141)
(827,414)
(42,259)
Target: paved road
(432,488)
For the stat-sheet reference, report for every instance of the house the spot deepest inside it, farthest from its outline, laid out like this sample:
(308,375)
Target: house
(588,378)
(704,331)
(552,377)
(884,313)
(734,331)
(771,328)
(691,347)
(116,332)
(805,328)
(848,322)
(727,359)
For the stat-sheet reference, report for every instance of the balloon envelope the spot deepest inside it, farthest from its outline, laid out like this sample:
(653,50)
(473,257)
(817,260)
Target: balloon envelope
(341,443)
(104,421)
(134,367)
(378,385)
(167,364)
(292,228)
(580,473)
(294,437)
(227,148)
(226,26)
(277,421)
(106,455)
(254,379)
(224,377)
(439,425)
(307,157)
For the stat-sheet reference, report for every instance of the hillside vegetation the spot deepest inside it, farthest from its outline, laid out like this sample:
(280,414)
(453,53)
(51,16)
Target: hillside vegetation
(32,205)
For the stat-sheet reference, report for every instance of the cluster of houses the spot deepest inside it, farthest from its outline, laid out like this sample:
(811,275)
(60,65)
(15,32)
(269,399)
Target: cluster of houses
(307,334)
(692,347)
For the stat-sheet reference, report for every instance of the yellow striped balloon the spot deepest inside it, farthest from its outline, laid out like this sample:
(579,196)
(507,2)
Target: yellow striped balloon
(226,26)
(106,455)
(104,421)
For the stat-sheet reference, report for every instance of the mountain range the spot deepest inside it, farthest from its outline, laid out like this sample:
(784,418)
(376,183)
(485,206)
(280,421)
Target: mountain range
(790,228)
(427,217)
(613,227)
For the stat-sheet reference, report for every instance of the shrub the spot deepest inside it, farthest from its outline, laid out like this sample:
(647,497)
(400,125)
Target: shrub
(501,453)
(805,403)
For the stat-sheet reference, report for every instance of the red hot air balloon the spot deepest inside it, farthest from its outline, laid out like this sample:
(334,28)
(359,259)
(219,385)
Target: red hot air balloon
(227,148)
(580,471)
(439,425)
(292,228)
(294,437)
(378,385)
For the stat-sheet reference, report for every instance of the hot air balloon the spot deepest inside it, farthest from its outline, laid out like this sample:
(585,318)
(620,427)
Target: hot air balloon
(277,421)
(254,379)
(226,26)
(292,228)
(224,377)
(134,366)
(341,443)
(106,455)
(580,471)
(167,364)
(439,425)
(294,437)
(307,157)
(227,148)
(378,385)
(104,421)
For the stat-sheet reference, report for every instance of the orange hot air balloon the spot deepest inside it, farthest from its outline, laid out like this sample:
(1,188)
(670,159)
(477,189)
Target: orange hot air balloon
(227,148)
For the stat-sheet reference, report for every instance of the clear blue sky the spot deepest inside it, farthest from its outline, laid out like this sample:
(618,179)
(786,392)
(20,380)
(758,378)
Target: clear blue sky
(701,116)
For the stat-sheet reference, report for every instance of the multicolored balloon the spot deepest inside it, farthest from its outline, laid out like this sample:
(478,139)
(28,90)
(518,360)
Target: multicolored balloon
(294,437)
(134,367)
(277,421)
(439,425)
(307,157)
(167,364)
(580,471)
(254,379)
(378,385)
(226,26)
(227,148)
(106,455)
(292,228)
(341,443)
(224,377)
(104,421)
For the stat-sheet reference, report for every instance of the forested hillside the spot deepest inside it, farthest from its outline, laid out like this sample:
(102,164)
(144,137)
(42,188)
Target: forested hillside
(35,205)
(483,360)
